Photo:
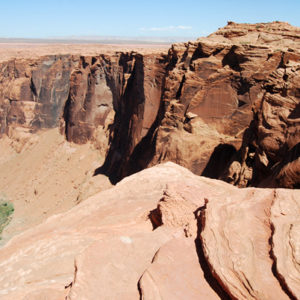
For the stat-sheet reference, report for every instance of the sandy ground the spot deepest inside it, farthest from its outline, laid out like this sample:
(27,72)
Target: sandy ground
(32,50)
(45,175)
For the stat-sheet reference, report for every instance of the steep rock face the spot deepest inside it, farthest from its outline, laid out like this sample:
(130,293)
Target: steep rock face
(136,115)
(217,80)
(123,88)
(163,233)
(70,92)
(270,151)
(115,95)
(90,99)
(33,93)
(191,106)
(269,155)
(213,89)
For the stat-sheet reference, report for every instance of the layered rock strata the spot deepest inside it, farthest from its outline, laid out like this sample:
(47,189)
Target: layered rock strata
(225,106)
(163,233)
(211,87)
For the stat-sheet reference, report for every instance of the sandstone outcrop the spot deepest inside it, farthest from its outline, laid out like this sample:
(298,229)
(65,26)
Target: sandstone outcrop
(211,87)
(225,106)
(163,233)
(108,99)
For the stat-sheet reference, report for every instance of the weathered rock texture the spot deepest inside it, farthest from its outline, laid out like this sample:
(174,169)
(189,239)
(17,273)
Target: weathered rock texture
(213,89)
(163,233)
(225,106)
(213,84)
(106,98)
(270,54)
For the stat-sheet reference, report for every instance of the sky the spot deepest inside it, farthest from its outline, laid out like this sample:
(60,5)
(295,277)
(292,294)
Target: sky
(132,18)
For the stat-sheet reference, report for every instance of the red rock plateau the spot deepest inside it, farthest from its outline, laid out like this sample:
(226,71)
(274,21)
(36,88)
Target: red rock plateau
(163,233)
(76,119)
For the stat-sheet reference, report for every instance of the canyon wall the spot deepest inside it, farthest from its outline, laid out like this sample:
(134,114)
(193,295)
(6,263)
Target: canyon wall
(225,106)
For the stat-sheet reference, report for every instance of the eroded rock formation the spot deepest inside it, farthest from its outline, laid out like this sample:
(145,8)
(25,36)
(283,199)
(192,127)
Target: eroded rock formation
(163,233)
(213,84)
(93,98)
(225,106)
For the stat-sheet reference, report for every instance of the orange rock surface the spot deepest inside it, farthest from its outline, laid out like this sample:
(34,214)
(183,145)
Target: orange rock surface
(163,233)
(225,106)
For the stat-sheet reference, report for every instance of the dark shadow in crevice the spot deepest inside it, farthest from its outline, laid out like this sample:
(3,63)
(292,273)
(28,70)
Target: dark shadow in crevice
(234,60)
(281,63)
(171,58)
(279,278)
(217,51)
(295,114)
(243,86)
(178,94)
(140,289)
(145,150)
(126,123)
(83,63)
(33,88)
(66,117)
(155,218)
(102,170)
(94,60)
(289,156)
(199,53)
(211,280)
(185,55)
(219,161)
(124,158)
(241,103)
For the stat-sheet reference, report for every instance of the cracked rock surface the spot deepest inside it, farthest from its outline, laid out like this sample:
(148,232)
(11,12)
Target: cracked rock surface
(163,233)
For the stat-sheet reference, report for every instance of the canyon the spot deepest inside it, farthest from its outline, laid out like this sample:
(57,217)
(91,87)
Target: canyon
(153,173)
(146,108)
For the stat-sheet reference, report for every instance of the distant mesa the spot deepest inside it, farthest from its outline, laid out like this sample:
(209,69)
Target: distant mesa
(100,40)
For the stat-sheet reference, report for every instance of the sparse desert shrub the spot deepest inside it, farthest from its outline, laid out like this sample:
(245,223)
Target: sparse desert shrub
(6,211)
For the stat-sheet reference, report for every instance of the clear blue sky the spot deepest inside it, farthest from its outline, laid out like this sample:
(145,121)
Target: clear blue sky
(44,18)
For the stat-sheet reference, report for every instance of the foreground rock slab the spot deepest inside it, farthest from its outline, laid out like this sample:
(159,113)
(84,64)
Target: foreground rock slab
(120,262)
(163,233)
(239,226)
(285,217)
(175,265)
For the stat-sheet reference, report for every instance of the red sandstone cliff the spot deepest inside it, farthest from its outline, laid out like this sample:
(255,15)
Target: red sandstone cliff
(191,106)
(215,87)
(225,106)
